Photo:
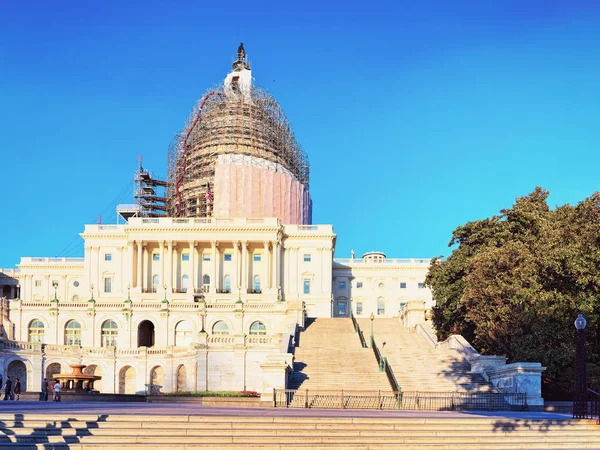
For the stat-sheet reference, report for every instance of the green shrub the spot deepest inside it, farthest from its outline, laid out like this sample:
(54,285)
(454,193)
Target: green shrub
(215,394)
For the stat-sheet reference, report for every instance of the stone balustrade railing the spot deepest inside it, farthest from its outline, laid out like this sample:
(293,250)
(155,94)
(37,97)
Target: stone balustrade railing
(403,261)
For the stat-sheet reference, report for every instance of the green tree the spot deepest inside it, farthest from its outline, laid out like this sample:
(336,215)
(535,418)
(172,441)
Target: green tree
(515,282)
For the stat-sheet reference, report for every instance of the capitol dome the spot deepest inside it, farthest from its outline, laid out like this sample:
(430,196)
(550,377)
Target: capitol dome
(237,156)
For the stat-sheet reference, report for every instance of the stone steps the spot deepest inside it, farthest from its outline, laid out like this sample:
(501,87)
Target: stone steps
(57,430)
(420,367)
(330,358)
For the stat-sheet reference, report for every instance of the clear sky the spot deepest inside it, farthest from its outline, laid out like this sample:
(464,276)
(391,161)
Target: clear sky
(417,116)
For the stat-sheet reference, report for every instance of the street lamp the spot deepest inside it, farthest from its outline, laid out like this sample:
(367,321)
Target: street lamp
(372,337)
(239,300)
(580,404)
(128,294)
(92,289)
(55,285)
(165,299)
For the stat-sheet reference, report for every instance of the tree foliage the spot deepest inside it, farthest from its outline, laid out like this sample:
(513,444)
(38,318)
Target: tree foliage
(515,283)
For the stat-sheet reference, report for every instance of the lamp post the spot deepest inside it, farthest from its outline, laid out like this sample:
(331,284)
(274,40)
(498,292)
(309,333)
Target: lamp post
(55,286)
(18,291)
(165,299)
(92,289)
(128,294)
(372,336)
(580,405)
(239,300)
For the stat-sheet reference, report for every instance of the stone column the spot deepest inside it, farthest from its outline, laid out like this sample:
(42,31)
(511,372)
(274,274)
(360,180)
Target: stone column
(244,267)
(213,281)
(118,282)
(175,268)
(170,266)
(140,267)
(130,281)
(267,268)
(65,288)
(161,265)
(275,275)
(192,281)
(46,287)
(236,268)
(30,287)
(145,270)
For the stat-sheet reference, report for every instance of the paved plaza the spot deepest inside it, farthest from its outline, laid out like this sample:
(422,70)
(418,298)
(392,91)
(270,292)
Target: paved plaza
(174,409)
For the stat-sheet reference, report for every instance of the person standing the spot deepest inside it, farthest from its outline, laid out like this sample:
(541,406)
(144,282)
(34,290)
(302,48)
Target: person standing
(57,391)
(17,389)
(44,396)
(8,395)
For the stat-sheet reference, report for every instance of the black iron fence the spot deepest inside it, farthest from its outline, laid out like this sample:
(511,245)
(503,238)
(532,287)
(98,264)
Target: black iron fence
(594,404)
(431,401)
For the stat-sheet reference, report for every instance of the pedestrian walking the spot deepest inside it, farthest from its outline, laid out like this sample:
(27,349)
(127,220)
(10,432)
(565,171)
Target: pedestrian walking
(57,391)
(17,389)
(44,395)
(8,395)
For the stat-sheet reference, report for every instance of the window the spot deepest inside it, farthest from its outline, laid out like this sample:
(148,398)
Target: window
(227,283)
(359,308)
(107,257)
(359,284)
(381,285)
(206,257)
(76,283)
(307,257)
(257,257)
(155,256)
(184,283)
(227,257)
(307,286)
(206,279)
(73,333)
(185,256)
(155,283)
(220,328)
(38,283)
(256,286)
(402,304)
(342,285)
(36,332)
(108,284)
(183,334)
(258,328)
(402,285)
(109,333)
(421,285)
(380,306)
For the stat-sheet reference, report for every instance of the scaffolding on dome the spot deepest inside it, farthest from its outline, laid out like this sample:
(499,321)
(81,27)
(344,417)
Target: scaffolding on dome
(229,127)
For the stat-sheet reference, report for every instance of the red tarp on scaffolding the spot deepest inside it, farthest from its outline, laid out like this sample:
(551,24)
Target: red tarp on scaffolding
(248,191)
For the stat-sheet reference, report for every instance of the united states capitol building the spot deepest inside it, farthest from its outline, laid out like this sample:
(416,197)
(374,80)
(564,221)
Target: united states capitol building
(206,281)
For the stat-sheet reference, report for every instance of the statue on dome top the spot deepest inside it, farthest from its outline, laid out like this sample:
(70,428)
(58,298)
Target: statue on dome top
(241,52)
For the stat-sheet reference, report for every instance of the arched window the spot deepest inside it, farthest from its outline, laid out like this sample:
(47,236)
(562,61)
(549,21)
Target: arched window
(73,333)
(256,286)
(155,283)
(36,332)
(183,333)
(205,283)
(220,328)
(380,306)
(258,328)
(109,333)
(184,283)
(227,283)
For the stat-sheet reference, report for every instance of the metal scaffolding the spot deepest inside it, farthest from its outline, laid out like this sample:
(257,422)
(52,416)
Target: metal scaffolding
(250,129)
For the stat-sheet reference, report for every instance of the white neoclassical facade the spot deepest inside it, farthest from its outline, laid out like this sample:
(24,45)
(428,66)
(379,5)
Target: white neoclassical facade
(164,304)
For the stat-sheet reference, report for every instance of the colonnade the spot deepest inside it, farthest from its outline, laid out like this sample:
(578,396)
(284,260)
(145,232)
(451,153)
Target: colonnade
(205,258)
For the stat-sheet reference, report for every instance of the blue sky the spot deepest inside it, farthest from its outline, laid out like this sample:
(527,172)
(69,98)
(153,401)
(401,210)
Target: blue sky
(417,116)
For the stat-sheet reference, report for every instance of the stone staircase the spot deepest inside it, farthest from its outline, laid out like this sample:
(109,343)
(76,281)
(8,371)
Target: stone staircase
(419,367)
(330,358)
(78,431)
